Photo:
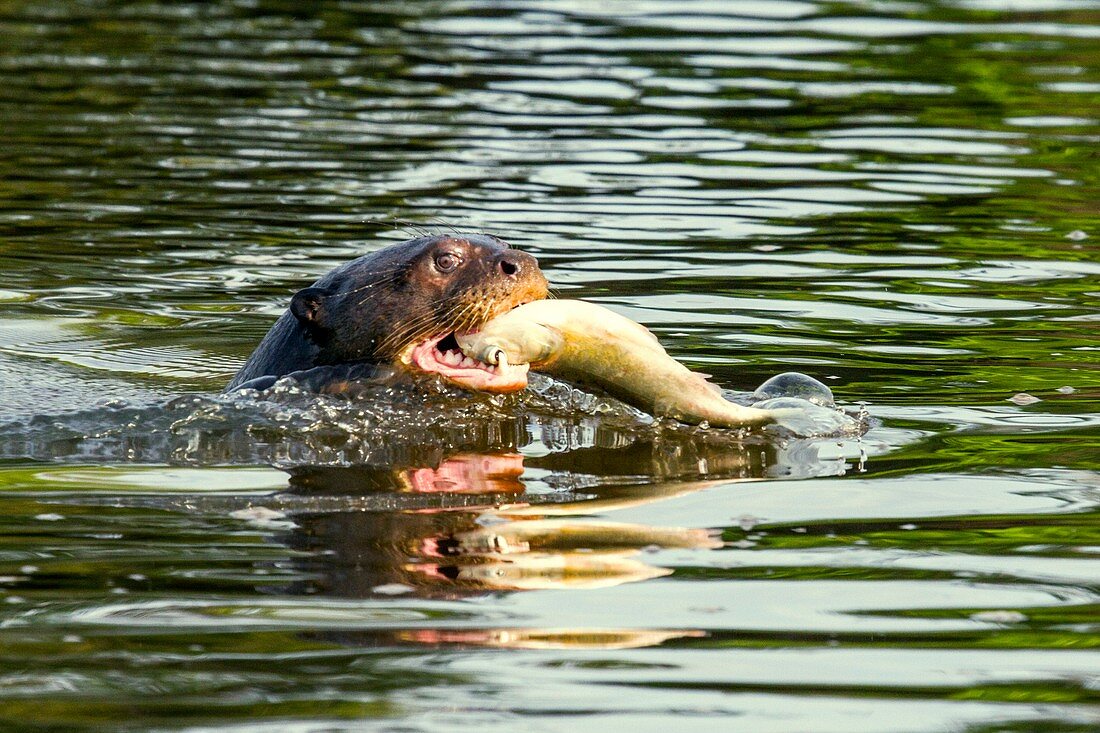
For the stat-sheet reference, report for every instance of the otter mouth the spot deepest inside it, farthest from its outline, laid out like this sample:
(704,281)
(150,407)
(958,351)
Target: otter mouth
(441,355)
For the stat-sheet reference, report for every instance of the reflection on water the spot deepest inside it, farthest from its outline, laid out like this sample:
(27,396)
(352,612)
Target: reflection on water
(896,198)
(506,543)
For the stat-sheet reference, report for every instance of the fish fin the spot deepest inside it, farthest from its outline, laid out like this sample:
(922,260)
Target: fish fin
(705,380)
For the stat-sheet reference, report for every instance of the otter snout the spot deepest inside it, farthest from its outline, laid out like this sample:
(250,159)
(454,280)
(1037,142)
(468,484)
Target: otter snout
(519,275)
(516,264)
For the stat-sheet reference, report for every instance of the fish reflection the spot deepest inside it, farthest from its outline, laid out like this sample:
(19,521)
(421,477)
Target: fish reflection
(547,638)
(542,554)
(471,524)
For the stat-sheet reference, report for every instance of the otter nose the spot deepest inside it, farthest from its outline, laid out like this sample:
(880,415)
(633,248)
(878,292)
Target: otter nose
(510,265)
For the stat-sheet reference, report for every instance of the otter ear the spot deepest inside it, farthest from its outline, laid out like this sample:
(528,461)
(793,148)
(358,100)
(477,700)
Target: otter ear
(308,306)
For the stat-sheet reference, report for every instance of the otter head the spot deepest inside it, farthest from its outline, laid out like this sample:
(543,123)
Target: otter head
(405,304)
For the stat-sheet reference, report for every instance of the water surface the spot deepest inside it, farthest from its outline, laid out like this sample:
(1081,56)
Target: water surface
(898,198)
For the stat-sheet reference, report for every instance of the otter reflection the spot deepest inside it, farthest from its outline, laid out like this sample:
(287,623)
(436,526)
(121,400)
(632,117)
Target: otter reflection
(478,523)
(491,540)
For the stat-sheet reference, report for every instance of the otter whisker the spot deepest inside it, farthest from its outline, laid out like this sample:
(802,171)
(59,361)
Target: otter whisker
(419,229)
(446,225)
(460,321)
(472,313)
(398,224)
(390,343)
(466,316)
(416,326)
(387,281)
(387,277)
(406,225)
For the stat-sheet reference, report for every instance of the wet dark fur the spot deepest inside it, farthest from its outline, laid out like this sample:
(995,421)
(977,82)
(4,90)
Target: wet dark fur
(371,309)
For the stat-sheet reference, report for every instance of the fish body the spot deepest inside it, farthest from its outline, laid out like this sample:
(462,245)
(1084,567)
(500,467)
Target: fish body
(586,343)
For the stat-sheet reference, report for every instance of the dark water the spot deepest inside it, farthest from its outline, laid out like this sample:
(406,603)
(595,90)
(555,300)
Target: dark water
(899,198)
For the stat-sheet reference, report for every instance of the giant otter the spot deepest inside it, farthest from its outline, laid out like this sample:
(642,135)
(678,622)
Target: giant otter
(399,306)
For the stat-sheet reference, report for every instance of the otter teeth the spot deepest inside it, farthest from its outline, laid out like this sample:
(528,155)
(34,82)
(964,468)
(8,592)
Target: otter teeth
(460,361)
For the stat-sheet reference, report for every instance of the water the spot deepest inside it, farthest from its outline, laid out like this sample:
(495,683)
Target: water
(898,198)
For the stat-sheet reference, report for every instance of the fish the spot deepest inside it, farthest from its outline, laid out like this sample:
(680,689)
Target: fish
(588,344)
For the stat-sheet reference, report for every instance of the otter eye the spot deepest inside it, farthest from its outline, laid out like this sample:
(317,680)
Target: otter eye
(446,262)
